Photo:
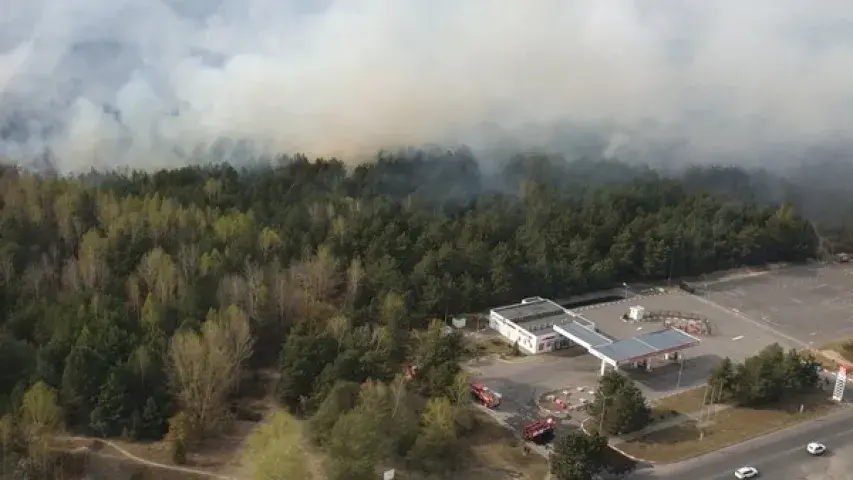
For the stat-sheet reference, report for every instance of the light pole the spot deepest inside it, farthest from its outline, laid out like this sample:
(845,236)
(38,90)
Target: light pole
(626,289)
(680,369)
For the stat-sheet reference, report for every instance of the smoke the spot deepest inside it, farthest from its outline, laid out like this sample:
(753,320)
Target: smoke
(150,83)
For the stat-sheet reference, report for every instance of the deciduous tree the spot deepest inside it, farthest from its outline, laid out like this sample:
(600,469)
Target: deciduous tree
(275,450)
(205,367)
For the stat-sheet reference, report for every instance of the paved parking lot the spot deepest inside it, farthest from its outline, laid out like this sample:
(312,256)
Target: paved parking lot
(731,336)
(813,304)
(524,381)
(793,307)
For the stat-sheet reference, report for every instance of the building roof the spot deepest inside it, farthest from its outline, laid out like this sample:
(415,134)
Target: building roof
(668,339)
(581,334)
(643,346)
(530,311)
(625,350)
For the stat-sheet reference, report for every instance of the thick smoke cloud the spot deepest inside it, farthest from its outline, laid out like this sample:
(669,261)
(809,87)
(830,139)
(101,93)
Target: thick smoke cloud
(146,83)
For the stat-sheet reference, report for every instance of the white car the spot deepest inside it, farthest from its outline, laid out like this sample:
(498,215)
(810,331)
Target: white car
(815,448)
(746,472)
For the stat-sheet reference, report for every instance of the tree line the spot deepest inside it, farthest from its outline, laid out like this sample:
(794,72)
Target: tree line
(144,304)
(762,379)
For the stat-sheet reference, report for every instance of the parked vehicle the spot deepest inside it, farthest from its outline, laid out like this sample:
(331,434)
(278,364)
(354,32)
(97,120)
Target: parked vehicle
(540,431)
(488,397)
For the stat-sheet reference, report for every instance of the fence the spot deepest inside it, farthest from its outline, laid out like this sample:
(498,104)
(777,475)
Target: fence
(692,323)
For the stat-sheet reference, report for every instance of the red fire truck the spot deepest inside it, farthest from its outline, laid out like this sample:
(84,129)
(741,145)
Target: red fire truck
(539,431)
(489,398)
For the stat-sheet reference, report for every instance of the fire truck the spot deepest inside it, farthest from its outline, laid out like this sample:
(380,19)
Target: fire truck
(540,431)
(489,398)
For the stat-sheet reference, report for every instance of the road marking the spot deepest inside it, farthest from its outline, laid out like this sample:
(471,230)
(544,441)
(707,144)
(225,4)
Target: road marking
(766,460)
(786,433)
(737,338)
(754,322)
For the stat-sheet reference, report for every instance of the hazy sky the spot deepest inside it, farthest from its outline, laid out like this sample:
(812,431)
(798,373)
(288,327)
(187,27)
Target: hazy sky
(147,82)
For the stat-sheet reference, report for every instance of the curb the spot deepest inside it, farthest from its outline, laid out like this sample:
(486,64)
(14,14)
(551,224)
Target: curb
(523,359)
(622,452)
(774,431)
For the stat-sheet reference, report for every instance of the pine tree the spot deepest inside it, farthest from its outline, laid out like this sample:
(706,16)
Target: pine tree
(619,405)
(111,413)
(152,421)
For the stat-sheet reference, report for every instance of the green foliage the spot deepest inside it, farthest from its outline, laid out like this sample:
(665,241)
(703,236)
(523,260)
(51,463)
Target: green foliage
(723,379)
(341,399)
(81,380)
(619,407)
(152,423)
(764,378)
(378,431)
(179,436)
(111,415)
(40,413)
(17,365)
(437,448)
(438,360)
(578,456)
(332,268)
(274,451)
(303,357)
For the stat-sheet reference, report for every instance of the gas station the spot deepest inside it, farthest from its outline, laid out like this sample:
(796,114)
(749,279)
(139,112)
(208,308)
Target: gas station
(637,351)
(538,325)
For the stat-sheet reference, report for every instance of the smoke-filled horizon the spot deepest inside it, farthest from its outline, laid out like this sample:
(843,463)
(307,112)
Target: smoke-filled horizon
(148,83)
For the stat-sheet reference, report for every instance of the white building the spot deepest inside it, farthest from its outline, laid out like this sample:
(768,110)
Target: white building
(531,322)
(540,325)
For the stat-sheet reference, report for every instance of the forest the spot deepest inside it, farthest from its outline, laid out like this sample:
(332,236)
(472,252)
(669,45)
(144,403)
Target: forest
(141,305)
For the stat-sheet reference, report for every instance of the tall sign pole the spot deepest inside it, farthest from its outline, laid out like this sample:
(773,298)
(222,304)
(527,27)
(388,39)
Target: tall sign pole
(840,384)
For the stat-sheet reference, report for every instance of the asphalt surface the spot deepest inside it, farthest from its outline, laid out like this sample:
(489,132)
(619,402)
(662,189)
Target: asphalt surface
(732,337)
(810,303)
(780,456)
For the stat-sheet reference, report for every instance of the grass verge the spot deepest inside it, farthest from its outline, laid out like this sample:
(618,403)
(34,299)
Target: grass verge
(729,427)
(833,352)
(685,402)
(497,453)
(491,346)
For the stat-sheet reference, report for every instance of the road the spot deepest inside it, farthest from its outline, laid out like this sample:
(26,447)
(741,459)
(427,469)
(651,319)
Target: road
(779,456)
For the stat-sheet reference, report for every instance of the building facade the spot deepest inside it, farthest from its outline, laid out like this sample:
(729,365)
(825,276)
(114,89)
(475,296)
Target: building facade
(530,325)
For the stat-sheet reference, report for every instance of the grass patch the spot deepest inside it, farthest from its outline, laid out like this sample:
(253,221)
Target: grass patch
(844,349)
(728,427)
(824,360)
(497,453)
(491,346)
(686,402)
